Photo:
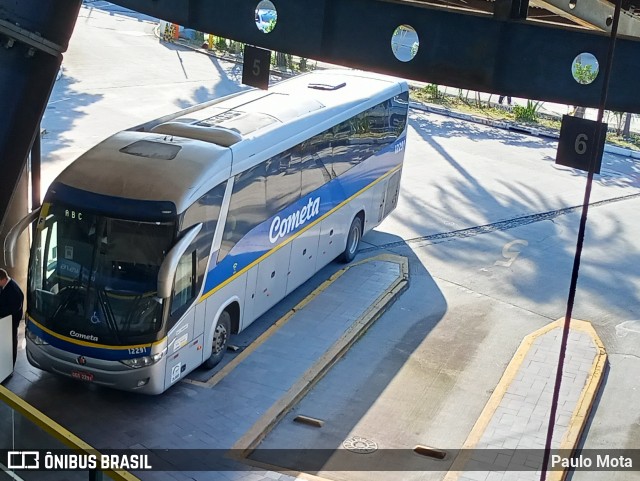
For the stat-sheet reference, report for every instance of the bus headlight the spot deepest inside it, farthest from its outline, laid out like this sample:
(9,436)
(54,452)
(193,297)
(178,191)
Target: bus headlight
(36,339)
(143,361)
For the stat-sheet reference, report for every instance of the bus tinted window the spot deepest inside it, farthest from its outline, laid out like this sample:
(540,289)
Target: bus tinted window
(340,148)
(248,206)
(314,173)
(205,210)
(364,134)
(283,181)
(184,287)
(398,112)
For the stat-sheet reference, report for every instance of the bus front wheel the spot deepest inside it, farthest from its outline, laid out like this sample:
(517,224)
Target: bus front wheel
(353,240)
(220,340)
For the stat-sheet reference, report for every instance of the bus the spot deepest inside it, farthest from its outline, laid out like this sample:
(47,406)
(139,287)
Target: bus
(157,244)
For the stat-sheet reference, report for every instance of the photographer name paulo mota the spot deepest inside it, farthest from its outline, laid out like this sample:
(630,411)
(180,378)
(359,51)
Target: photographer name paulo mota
(591,461)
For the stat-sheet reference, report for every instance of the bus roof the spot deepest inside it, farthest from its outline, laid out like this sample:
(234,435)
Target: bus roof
(149,166)
(180,160)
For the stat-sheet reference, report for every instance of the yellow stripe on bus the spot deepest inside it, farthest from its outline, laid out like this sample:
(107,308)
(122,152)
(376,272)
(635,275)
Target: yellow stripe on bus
(90,344)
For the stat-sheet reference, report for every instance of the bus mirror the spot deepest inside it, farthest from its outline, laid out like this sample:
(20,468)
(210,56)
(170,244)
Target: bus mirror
(12,237)
(170,263)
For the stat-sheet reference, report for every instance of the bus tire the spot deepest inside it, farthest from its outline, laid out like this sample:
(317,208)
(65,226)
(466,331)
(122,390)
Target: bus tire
(353,240)
(220,340)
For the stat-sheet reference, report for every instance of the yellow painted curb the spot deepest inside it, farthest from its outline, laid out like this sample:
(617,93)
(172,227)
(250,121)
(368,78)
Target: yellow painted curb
(54,429)
(580,414)
(252,438)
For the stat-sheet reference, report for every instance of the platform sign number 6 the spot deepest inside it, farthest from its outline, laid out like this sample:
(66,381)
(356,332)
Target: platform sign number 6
(255,67)
(581,144)
(578,142)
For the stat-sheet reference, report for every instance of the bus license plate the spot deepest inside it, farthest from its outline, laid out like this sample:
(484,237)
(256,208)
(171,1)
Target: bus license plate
(82,375)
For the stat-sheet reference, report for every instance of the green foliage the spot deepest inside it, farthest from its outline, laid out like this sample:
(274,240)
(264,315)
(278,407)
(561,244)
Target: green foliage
(236,48)
(583,73)
(270,26)
(220,44)
(528,113)
(431,91)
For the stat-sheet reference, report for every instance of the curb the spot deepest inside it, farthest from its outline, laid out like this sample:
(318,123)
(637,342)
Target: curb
(520,128)
(252,438)
(202,51)
(236,60)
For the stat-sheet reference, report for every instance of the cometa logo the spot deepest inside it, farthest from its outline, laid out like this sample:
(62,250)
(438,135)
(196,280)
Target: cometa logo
(86,337)
(282,227)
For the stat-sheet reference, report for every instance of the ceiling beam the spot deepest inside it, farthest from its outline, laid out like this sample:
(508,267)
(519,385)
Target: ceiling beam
(511,57)
(595,14)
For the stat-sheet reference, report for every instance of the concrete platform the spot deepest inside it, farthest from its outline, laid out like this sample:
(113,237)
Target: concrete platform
(506,442)
(510,434)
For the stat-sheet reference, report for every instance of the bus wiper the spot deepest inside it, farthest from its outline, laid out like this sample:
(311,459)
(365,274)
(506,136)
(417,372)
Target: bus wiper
(108,314)
(67,293)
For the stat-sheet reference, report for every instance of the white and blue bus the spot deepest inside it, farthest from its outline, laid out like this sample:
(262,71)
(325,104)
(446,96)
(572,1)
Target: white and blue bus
(155,246)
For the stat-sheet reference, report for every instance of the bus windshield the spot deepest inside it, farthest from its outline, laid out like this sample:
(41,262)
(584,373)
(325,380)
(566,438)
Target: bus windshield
(94,278)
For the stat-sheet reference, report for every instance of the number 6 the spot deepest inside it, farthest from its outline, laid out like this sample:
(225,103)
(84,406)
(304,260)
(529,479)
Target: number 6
(581,144)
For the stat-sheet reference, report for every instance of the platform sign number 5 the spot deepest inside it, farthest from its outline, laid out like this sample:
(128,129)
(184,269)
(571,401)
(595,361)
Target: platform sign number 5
(255,67)
(578,142)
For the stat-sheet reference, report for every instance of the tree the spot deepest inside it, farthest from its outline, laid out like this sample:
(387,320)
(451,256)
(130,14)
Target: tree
(626,132)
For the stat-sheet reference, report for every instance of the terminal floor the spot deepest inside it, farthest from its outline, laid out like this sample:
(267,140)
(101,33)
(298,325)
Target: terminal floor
(418,377)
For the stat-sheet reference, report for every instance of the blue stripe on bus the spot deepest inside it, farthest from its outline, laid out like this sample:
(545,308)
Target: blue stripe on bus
(256,243)
(83,348)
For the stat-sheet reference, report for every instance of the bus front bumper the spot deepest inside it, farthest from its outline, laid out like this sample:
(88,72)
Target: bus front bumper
(113,374)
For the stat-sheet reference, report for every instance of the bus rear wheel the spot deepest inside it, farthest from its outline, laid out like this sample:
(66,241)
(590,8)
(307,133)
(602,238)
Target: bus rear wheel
(220,340)
(353,240)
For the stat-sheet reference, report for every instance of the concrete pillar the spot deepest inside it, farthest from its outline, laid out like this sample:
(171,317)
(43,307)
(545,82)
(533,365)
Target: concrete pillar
(18,208)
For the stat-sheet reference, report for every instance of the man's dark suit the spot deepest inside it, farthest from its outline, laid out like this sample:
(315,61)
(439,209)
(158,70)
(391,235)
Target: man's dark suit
(11,300)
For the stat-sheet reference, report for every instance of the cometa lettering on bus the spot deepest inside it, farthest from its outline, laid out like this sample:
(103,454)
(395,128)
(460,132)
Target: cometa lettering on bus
(86,337)
(282,227)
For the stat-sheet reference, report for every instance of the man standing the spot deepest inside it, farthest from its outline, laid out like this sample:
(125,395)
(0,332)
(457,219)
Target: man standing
(11,301)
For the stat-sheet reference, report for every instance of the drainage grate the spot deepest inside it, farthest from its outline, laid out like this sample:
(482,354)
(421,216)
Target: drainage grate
(359,445)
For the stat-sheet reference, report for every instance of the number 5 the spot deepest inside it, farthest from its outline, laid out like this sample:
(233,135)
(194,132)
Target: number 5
(256,67)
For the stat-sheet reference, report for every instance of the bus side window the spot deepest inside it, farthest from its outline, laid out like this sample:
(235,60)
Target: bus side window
(314,174)
(341,147)
(205,210)
(399,106)
(184,289)
(248,207)
(45,265)
(51,258)
(283,181)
